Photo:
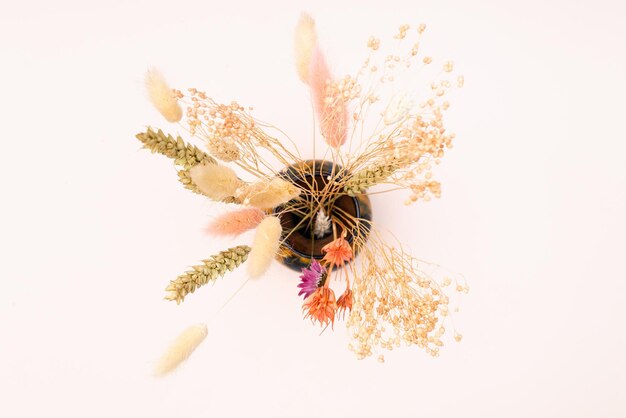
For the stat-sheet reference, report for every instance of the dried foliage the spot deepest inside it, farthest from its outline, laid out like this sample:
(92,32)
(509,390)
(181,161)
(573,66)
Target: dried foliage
(383,129)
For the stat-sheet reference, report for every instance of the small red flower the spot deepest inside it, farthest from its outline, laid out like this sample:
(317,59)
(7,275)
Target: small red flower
(337,251)
(344,303)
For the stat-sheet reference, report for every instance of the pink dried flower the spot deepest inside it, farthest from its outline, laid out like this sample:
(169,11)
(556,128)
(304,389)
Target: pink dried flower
(321,306)
(337,251)
(311,278)
(236,222)
(344,303)
(331,111)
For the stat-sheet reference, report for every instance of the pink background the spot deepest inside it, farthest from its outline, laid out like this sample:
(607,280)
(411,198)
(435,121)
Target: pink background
(92,228)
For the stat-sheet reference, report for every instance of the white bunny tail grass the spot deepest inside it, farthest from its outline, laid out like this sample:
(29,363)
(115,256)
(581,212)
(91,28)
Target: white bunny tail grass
(214,180)
(264,195)
(265,246)
(180,349)
(305,40)
(162,96)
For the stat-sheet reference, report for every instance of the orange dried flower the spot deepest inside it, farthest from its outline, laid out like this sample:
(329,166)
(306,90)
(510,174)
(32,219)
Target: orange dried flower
(321,306)
(344,303)
(337,251)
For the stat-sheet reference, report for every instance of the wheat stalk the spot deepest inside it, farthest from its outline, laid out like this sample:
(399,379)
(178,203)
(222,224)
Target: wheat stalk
(366,178)
(210,269)
(184,155)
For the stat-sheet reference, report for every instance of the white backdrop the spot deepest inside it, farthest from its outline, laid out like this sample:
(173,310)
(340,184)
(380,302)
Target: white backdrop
(93,228)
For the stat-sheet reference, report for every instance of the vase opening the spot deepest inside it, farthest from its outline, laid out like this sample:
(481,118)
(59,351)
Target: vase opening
(336,214)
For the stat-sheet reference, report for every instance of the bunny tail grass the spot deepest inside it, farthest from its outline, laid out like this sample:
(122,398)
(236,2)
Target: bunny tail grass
(305,41)
(162,96)
(265,246)
(267,195)
(331,111)
(235,222)
(180,349)
(215,181)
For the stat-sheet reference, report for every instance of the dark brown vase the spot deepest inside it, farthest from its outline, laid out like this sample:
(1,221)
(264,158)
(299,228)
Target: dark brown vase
(301,246)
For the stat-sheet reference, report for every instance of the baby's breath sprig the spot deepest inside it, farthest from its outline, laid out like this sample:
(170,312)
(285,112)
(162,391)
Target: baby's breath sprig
(397,302)
(210,269)
(232,134)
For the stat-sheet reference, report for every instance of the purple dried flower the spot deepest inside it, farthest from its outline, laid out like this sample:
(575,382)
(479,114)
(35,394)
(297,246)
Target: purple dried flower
(311,279)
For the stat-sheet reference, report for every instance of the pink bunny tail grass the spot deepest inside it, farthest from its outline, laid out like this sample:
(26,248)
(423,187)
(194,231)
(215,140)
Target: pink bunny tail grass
(236,222)
(331,110)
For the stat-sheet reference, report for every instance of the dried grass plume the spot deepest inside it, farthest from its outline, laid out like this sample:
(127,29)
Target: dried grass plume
(305,38)
(268,195)
(265,246)
(235,222)
(180,349)
(162,96)
(331,110)
(214,180)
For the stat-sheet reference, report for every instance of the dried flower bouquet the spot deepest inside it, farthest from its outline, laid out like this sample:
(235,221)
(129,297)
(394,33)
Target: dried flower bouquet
(314,215)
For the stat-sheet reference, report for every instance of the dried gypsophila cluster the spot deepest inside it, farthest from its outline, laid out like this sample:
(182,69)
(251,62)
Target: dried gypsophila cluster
(388,297)
(398,302)
(231,134)
(410,137)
